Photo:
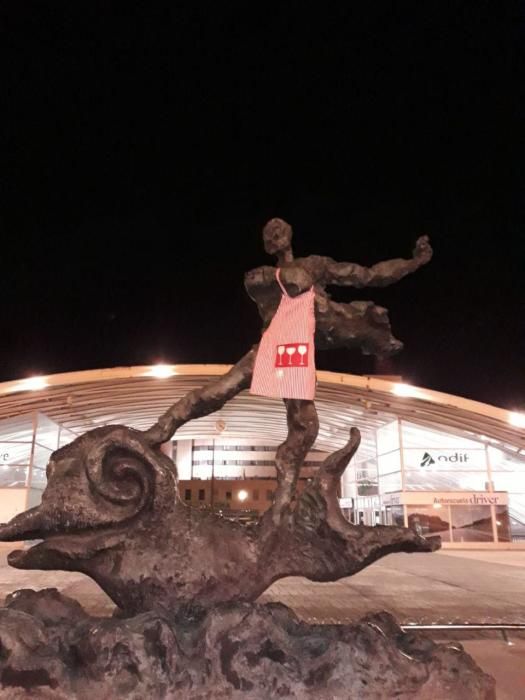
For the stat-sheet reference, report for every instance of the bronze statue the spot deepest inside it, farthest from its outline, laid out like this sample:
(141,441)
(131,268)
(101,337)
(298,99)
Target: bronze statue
(111,507)
(186,581)
(359,324)
(112,497)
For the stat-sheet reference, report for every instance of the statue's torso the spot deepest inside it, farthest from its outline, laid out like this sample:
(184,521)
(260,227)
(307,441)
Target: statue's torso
(358,324)
(298,276)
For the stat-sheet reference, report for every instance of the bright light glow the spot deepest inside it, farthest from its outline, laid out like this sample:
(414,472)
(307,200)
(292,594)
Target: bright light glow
(486,438)
(161,371)
(498,522)
(33,384)
(437,505)
(242,495)
(406,390)
(517,419)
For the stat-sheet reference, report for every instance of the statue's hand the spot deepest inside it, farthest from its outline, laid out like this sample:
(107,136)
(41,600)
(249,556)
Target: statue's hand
(423,250)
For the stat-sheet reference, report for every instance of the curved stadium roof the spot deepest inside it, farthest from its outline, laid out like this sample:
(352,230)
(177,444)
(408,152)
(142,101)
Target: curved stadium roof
(134,396)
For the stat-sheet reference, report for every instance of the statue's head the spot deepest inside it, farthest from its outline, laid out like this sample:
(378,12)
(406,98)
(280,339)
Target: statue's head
(277,236)
(96,486)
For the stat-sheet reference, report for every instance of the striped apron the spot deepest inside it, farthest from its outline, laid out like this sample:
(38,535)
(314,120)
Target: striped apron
(285,362)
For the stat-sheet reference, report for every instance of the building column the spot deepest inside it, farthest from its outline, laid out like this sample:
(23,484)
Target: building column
(402,465)
(29,477)
(488,468)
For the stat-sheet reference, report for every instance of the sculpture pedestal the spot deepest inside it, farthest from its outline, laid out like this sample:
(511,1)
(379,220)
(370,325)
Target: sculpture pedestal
(51,648)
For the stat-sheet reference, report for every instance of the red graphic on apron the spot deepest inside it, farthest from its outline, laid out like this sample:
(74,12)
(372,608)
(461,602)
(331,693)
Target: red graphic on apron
(292,355)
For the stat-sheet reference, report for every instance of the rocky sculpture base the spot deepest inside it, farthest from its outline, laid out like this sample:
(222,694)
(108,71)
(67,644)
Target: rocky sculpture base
(51,648)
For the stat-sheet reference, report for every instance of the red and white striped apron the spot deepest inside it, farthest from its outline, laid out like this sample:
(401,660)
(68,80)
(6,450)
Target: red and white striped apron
(285,362)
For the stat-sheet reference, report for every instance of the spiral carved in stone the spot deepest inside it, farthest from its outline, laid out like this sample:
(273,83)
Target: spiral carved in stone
(129,474)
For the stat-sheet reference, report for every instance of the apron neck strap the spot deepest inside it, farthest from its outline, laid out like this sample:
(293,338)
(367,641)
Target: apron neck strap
(278,278)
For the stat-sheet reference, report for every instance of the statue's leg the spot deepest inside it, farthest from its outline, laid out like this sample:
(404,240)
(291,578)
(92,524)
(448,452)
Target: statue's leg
(203,401)
(303,426)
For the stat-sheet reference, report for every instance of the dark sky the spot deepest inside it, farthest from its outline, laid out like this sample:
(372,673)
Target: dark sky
(145,145)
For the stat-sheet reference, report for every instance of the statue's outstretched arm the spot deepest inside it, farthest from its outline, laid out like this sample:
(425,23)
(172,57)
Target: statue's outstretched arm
(379,275)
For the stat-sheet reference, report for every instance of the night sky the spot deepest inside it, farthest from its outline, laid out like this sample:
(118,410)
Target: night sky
(144,145)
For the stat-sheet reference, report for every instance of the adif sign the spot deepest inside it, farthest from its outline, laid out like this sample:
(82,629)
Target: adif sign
(443,459)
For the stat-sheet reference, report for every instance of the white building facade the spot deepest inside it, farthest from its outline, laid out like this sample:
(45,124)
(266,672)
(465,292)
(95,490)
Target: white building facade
(435,462)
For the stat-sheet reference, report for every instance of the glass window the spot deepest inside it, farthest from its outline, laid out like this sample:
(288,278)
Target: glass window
(256,494)
(416,436)
(517,513)
(387,438)
(517,528)
(423,480)
(266,472)
(366,487)
(41,456)
(269,495)
(508,481)
(503,523)
(13,477)
(187,495)
(394,516)
(47,432)
(201,494)
(349,488)
(65,437)
(202,471)
(18,428)
(230,471)
(228,495)
(427,520)
(34,497)
(38,478)
(365,474)
(502,461)
(386,464)
(471,524)
(12,453)
(390,483)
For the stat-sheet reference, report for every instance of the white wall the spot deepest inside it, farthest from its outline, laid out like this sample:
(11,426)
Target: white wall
(12,502)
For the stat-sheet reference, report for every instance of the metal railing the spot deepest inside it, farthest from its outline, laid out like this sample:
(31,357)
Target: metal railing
(503,629)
